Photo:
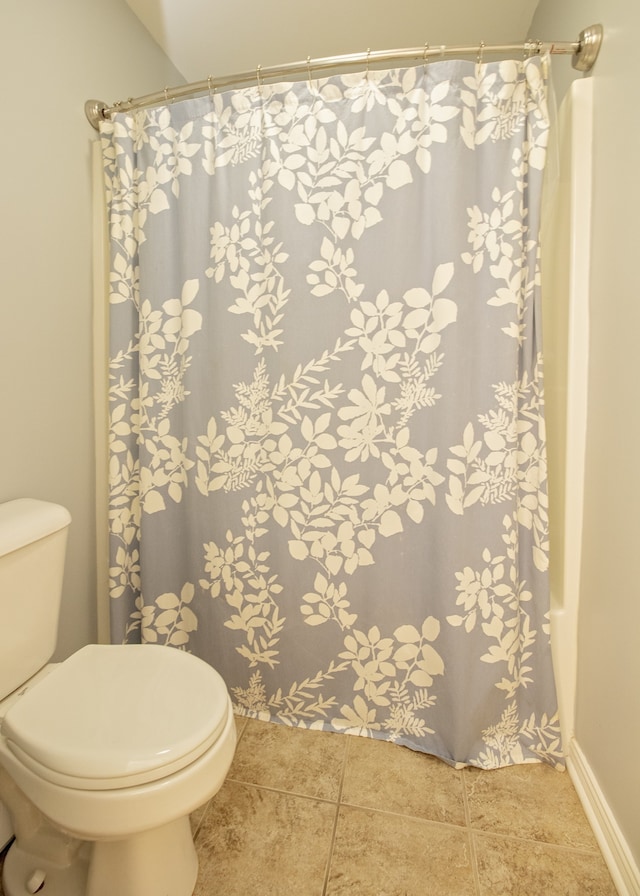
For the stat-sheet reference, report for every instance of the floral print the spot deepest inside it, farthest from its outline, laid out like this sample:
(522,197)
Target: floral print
(327,462)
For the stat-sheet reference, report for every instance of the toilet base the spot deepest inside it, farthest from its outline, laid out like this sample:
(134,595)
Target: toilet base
(160,862)
(23,871)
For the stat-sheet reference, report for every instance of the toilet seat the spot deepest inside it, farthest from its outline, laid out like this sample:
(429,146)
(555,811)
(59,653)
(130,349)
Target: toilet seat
(98,721)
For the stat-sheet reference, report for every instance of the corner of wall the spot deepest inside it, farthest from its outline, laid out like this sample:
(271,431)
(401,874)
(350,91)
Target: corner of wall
(614,847)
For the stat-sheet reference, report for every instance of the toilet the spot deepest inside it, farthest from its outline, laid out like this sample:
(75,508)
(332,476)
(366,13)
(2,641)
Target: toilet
(104,756)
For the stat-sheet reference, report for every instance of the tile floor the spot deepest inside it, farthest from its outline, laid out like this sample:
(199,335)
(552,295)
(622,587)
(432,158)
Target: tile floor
(307,813)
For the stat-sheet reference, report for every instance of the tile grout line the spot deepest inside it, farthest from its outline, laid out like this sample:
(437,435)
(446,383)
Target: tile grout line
(335,821)
(470,834)
(512,838)
(227,778)
(295,793)
(420,819)
(199,825)
(477,840)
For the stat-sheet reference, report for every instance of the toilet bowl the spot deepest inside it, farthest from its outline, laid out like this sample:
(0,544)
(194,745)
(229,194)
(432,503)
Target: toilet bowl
(103,756)
(115,747)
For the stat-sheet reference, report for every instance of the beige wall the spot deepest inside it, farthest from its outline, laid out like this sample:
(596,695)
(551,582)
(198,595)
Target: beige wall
(608,702)
(204,37)
(54,56)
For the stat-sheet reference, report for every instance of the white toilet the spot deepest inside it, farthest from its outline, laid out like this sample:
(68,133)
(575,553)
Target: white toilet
(103,756)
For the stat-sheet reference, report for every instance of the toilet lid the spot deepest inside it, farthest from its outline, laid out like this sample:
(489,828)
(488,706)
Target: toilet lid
(113,716)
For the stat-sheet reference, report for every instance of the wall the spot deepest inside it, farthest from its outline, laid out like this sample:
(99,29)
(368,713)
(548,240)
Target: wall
(54,56)
(205,38)
(607,726)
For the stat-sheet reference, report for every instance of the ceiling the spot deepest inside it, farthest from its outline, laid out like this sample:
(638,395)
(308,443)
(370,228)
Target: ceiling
(220,37)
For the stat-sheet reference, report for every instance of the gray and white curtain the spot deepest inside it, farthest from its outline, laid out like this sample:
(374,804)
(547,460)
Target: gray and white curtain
(327,463)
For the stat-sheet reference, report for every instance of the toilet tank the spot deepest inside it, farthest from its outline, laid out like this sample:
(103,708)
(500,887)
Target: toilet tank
(33,538)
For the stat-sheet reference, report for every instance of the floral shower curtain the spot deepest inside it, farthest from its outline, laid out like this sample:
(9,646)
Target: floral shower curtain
(327,461)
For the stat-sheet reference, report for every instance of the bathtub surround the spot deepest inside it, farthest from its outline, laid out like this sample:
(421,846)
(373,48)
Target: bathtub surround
(565,239)
(608,660)
(327,471)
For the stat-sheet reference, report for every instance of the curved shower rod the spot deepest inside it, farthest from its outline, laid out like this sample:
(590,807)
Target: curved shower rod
(585,51)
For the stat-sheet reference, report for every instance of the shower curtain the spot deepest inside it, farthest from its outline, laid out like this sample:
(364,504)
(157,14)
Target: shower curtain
(327,460)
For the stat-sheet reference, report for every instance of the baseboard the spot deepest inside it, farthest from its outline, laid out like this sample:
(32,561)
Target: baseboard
(622,866)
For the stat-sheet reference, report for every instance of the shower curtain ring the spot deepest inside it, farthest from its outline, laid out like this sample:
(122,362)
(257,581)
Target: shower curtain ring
(481,52)
(259,77)
(424,57)
(309,73)
(368,55)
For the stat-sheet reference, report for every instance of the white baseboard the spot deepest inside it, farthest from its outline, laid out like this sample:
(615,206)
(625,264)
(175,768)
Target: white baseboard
(615,850)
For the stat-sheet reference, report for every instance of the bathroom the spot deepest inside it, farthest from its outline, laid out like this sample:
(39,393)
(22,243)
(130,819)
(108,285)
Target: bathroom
(57,58)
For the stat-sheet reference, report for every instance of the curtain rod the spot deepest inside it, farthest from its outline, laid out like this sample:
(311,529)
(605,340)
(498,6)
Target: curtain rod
(585,51)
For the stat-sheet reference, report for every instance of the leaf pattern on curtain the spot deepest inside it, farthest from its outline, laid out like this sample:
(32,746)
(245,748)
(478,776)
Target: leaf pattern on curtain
(327,464)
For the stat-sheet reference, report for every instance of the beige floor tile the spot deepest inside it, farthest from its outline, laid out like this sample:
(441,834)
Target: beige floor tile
(292,759)
(400,830)
(382,775)
(376,854)
(254,841)
(241,722)
(196,818)
(517,868)
(198,814)
(532,801)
